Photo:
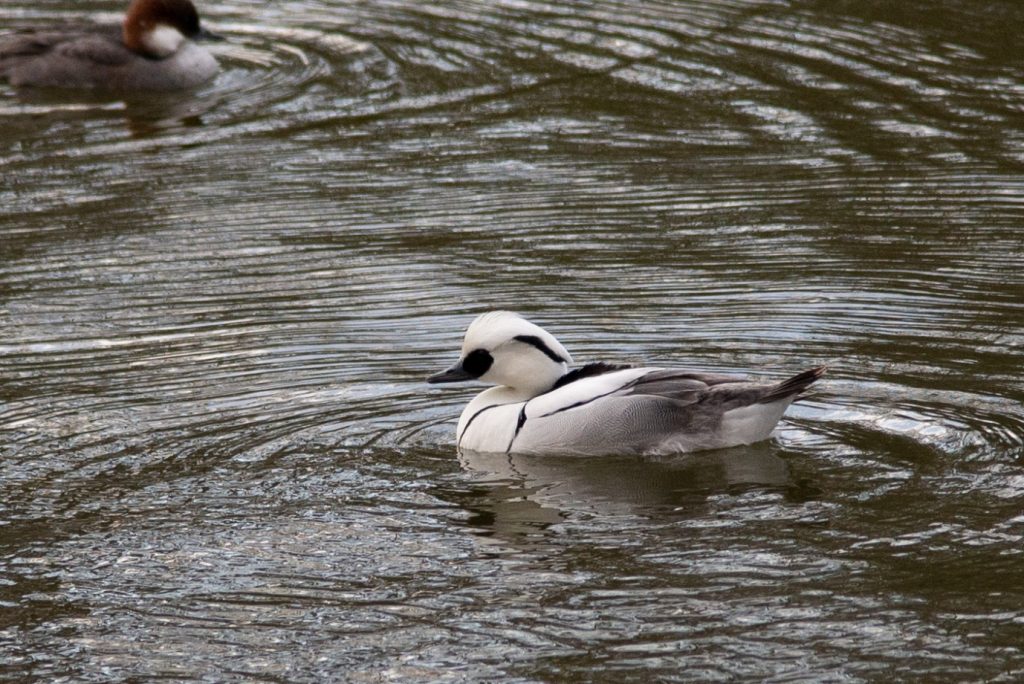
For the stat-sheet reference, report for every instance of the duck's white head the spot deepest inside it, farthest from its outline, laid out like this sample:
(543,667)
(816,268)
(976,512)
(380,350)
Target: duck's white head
(503,348)
(157,28)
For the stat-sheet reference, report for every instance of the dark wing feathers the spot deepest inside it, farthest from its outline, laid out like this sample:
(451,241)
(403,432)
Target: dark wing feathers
(25,45)
(97,43)
(687,387)
(709,379)
(666,383)
(795,385)
(727,391)
(680,384)
(96,49)
(672,388)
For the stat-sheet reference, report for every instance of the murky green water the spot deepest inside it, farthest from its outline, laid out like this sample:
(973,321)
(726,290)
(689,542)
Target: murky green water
(218,458)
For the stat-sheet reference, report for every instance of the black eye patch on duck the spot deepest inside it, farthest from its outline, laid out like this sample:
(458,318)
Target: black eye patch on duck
(477,362)
(535,341)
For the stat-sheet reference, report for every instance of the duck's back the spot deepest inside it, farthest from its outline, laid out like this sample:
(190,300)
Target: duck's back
(95,57)
(635,410)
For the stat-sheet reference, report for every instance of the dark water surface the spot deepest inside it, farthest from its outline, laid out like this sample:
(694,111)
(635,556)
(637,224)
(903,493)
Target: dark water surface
(218,458)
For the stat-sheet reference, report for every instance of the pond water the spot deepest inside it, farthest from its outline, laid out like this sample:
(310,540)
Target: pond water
(219,460)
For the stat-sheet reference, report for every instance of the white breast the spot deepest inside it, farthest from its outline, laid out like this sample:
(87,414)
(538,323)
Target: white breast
(488,426)
(492,419)
(163,40)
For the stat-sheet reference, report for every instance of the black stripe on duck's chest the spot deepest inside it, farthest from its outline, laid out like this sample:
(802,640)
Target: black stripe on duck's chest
(458,442)
(520,422)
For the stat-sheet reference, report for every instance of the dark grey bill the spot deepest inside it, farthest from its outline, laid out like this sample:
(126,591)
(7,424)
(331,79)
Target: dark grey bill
(454,374)
(207,35)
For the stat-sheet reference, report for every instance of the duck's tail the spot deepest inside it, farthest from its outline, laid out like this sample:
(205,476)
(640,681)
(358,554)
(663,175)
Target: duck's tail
(793,386)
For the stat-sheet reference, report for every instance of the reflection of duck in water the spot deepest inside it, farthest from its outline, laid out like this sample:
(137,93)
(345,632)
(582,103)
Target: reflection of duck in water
(632,481)
(152,50)
(541,407)
(519,495)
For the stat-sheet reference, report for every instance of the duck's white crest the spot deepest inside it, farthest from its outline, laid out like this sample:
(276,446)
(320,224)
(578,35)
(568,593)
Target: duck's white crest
(525,358)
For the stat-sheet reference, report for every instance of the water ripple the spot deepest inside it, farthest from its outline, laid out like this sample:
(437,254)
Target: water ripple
(218,312)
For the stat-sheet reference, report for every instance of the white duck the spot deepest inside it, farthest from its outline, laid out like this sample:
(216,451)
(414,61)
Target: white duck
(540,406)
